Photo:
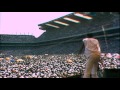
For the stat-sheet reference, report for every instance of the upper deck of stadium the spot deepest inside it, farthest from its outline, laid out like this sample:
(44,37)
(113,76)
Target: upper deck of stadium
(76,24)
(61,40)
(79,18)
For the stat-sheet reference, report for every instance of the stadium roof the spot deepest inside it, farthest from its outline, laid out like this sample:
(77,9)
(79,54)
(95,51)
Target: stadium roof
(73,18)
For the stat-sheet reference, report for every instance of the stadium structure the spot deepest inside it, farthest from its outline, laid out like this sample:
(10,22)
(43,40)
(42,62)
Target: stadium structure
(64,35)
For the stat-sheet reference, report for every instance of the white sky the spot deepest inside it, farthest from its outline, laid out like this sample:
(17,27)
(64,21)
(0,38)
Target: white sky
(26,22)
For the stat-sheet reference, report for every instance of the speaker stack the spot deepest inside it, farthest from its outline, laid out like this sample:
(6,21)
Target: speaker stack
(111,73)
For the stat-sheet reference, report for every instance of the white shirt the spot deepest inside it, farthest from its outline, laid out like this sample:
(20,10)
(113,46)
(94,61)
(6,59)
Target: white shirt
(91,45)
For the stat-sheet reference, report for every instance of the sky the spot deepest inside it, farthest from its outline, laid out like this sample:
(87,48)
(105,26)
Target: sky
(21,23)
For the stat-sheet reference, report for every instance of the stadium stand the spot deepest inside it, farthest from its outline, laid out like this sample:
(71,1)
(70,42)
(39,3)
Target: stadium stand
(107,20)
(17,39)
(55,53)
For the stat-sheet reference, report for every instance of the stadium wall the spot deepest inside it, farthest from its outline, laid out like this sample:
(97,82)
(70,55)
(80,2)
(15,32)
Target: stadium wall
(65,46)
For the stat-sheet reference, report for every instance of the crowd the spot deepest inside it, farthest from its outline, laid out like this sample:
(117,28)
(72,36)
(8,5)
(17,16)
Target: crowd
(111,61)
(4,38)
(50,66)
(111,46)
(58,62)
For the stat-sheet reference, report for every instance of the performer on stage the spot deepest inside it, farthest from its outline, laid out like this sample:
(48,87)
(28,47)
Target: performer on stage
(92,52)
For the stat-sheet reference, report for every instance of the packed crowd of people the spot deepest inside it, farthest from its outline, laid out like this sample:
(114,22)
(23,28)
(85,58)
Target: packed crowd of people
(5,38)
(50,66)
(111,46)
(111,61)
(24,56)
